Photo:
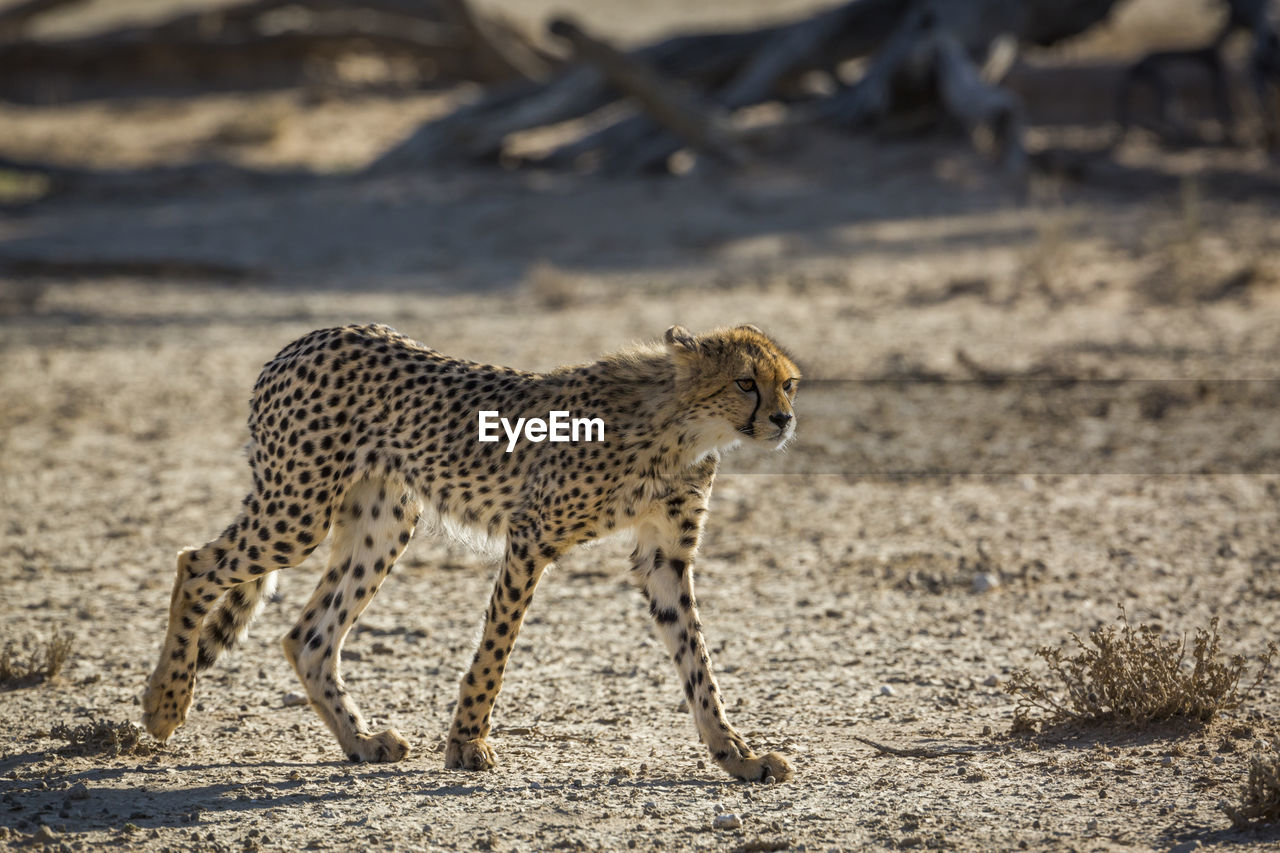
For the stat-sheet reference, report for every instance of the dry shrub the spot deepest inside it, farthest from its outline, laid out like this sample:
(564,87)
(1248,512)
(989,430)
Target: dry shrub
(33,661)
(1260,796)
(1132,676)
(1044,261)
(553,288)
(103,736)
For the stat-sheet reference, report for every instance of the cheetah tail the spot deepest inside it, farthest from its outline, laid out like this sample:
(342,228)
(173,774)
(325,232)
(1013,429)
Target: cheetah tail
(228,623)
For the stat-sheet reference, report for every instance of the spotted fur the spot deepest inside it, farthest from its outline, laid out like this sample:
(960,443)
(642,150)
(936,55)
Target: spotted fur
(359,430)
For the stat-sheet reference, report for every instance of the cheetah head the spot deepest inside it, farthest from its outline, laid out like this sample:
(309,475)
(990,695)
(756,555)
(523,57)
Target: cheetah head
(735,383)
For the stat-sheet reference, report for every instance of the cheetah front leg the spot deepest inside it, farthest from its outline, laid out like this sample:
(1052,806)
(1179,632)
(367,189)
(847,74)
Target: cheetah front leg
(526,558)
(664,558)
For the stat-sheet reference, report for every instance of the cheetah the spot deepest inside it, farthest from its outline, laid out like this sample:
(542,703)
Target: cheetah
(360,430)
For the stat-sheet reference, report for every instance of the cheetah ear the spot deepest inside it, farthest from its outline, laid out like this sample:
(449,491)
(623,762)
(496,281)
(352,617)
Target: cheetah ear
(747,327)
(679,340)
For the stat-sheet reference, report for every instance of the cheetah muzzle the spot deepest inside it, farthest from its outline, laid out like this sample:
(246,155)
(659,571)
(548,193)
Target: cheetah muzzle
(357,431)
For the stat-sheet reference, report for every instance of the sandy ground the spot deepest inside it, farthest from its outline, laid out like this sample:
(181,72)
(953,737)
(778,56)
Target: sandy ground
(845,593)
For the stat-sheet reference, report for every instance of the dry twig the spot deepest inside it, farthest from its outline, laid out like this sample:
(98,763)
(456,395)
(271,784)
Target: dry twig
(914,751)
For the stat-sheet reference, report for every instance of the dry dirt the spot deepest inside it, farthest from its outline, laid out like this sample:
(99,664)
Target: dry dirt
(849,590)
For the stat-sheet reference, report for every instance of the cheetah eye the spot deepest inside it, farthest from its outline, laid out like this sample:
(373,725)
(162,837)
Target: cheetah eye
(789,386)
(747,385)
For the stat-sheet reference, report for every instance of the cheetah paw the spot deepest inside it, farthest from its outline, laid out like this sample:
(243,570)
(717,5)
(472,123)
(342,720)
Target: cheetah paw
(469,755)
(762,768)
(382,748)
(164,709)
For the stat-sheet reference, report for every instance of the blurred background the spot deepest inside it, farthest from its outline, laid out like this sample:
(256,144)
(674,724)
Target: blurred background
(906,190)
(447,145)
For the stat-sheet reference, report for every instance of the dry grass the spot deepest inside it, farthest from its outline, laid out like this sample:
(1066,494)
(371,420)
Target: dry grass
(1260,796)
(34,661)
(1045,260)
(1194,264)
(104,736)
(551,287)
(1132,676)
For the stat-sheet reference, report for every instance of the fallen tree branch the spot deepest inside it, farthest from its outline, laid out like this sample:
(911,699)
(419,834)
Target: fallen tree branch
(915,751)
(705,60)
(704,126)
(820,41)
(925,61)
(1251,16)
(871,97)
(477,131)
(970,99)
(510,56)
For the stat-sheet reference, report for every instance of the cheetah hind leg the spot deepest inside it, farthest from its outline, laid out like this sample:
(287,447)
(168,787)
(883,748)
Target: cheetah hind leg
(228,623)
(203,575)
(168,695)
(198,583)
(373,526)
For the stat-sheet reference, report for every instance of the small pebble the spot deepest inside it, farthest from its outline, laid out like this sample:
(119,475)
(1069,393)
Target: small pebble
(1218,759)
(991,681)
(887,690)
(45,835)
(985,581)
(1092,825)
(293,700)
(727,821)
(1167,760)
(78,791)
(1186,846)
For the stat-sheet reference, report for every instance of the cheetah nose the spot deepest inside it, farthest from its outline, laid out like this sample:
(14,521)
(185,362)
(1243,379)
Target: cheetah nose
(781,419)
